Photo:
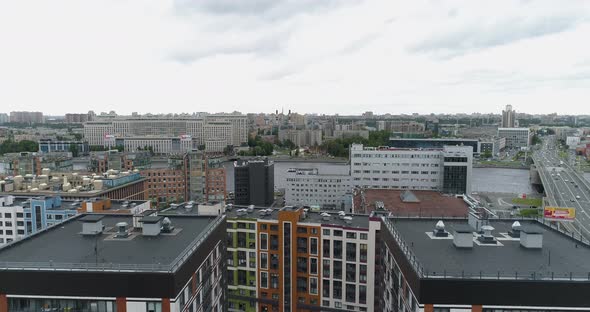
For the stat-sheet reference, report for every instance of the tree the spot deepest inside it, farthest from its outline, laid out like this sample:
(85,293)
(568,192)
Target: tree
(10,146)
(228,150)
(74,150)
(486,154)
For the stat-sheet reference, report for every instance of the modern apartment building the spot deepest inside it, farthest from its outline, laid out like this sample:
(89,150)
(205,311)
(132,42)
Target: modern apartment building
(22,216)
(481,265)
(26,117)
(516,137)
(254,182)
(446,169)
(508,117)
(108,262)
(233,128)
(309,187)
(293,260)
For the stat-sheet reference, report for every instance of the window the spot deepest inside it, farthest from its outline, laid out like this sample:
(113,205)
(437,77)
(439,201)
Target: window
(337,290)
(351,235)
(313,266)
(337,270)
(326,268)
(326,248)
(313,248)
(263,260)
(313,285)
(351,272)
(337,251)
(19,214)
(350,293)
(326,288)
(154,307)
(338,233)
(363,273)
(364,236)
(350,251)
(263,241)
(314,231)
(7,215)
(274,281)
(326,232)
(363,248)
(263,279)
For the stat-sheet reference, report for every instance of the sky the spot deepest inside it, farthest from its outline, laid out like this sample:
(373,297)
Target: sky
(310,56)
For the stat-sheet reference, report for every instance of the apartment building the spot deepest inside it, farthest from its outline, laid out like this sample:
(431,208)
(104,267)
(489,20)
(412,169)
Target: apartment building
(12,164)
(306,137)
(446,169)
(309,187)
(481,265)
(516,137)
(106,262)
(233,128)
(26,117)
(294,260)
(254,182)
(100,162)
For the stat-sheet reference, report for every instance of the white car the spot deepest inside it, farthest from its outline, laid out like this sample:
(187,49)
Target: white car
(577,196)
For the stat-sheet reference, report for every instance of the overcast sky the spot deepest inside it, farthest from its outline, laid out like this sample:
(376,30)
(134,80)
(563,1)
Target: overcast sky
(310,56)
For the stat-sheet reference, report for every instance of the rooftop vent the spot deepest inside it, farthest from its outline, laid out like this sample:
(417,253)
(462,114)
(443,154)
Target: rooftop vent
(241,212)
(173,206)
(487,237)
(347,219)
(531,238)
(379,205)
(463,237)
(439,229)
(92,225)
(151,225)
(515,231)
(122,230)
(341,214)
(250,208)
(325,216)
(167,226)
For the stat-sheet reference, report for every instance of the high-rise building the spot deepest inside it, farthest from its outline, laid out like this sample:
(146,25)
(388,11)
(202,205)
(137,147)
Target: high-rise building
(118,262)
(77,118)
(4,118)
(26,117)
(446,169)
(294,260)
(254,182)
(508,117)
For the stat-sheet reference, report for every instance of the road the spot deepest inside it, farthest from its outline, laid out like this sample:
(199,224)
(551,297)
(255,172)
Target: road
(564,186)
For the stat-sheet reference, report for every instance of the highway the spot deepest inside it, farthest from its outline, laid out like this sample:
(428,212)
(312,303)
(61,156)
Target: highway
(564,186)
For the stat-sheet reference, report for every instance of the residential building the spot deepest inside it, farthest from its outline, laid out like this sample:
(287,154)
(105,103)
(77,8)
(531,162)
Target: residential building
(26,117)
(446,169)
(516,137)
(108,262)
(301,138)
(77,118)
(233,128)
(401,126)
(572,142)
(71,186)
(49,145)
(408,203)
(21,216)
(508,117)
(481,265)
(4,118)
(254,182)
(294,260)
(433,143)
(309,187)
(23,163)
(343,134)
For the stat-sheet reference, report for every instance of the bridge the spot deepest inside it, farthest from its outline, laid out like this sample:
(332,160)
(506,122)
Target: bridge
(564,187)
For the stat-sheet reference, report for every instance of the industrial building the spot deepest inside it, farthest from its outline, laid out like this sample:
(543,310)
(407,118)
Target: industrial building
(109,262)
(296,260)
(310,187)
(446,169)
(254,182)
(474,264)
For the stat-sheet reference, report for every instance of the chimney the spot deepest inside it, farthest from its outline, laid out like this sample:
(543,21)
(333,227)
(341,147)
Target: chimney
(531,238)
(463,237)
(151,225)
(92,224)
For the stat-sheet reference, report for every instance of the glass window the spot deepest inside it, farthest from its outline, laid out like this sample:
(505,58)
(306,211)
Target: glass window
(313,248)
(326,232)
(263,260)
(313,285)
(263,241)
(313,266)
(264,279)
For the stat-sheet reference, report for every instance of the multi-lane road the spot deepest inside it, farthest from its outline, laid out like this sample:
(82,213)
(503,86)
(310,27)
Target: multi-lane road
(564,186)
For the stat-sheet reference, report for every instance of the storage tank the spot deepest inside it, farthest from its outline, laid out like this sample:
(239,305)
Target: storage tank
(86,181)
(97,184)
(43,186)
(73,191)
(45,171)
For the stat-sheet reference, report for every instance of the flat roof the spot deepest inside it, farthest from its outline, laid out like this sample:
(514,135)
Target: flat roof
(560,254)
(116,205)
(63,245)
(430,203)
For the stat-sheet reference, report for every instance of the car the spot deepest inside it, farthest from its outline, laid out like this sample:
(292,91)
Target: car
(577,196)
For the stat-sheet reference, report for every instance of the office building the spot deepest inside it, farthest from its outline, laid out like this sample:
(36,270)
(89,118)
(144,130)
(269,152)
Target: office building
(446,169)
(309,187)
(572,142)
(26,117)
(21,216)
(254,182)
(481,265)
(492,146)
(433,143)
(48,146)
(516,138)
(71,186)
(156,145)
(134,131)
(108,262)
(292,260)
(24,163)
(301,138)
(508,117)
(100,162)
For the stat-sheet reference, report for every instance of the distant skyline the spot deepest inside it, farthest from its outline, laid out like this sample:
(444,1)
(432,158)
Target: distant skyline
(330,56)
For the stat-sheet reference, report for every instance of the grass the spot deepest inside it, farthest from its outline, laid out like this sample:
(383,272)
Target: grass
(537,202)
(530,212)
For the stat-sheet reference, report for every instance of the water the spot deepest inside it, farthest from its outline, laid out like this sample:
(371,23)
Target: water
(500,180)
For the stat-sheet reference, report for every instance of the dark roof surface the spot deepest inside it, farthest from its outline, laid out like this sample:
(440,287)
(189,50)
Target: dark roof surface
(64,243)
(92,218)
(560,254)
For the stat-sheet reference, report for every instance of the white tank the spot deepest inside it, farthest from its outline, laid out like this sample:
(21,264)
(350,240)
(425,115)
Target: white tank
(43,186)
(28,175)
(73,191)
(112,176)
(45,171)
(97,184)
(55,179)
(79,187)
(66,187)
(43,178)
(86,181)
(135,170)
(34,189)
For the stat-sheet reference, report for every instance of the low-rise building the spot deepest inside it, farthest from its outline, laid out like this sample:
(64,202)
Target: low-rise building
(23,163)
(49,145)
(516,137)
(309,187)
(408,203)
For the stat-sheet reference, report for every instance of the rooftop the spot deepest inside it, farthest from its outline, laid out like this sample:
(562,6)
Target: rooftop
(559,255)
(116,205)
(63,246)
(400,203)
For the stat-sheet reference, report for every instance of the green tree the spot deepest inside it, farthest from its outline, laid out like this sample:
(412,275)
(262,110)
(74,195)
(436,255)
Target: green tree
(74,150)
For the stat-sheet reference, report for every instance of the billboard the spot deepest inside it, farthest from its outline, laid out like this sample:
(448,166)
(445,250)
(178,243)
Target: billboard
(559,214)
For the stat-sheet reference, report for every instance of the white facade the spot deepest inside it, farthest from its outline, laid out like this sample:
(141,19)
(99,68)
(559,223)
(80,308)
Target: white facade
(516,137)
(572,141)
(301,137)
(308,187)
(12,225)
(159,145)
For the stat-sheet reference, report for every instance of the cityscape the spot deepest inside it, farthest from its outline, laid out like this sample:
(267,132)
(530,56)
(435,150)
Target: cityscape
(294,155)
